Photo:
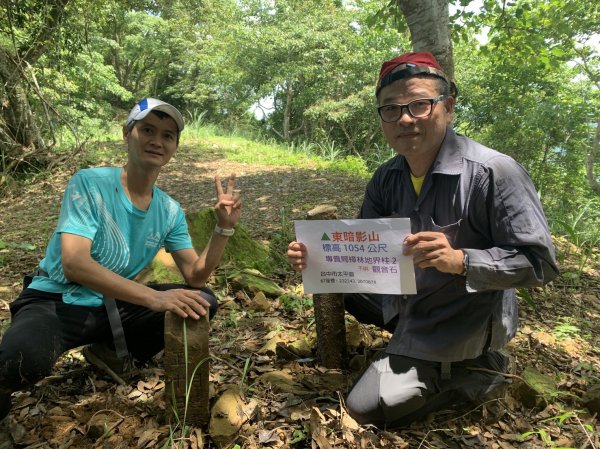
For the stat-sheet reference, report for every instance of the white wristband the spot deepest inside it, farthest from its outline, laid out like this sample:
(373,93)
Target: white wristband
(222,231)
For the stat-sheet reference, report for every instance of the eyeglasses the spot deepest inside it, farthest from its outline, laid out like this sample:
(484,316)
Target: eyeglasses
(420,108)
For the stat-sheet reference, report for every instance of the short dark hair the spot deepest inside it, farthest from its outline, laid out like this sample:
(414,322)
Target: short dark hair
(160,114)
(442,85)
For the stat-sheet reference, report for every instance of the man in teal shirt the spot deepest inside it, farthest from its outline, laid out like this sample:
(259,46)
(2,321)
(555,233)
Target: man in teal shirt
(113,221)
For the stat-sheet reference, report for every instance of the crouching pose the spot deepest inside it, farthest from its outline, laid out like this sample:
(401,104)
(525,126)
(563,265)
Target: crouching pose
(113,222)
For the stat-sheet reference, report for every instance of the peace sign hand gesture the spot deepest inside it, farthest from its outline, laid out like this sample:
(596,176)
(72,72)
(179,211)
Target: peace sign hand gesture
(229,203)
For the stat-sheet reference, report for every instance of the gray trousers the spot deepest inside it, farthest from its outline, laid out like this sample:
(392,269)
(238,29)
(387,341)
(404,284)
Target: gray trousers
(396,390)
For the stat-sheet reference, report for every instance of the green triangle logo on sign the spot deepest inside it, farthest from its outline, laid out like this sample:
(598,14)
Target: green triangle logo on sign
(325,237)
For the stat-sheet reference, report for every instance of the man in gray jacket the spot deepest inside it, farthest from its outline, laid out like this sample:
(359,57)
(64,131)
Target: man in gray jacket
(478,232)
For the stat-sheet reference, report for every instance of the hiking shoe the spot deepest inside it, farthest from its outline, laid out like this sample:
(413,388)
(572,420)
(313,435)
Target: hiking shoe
(101,356)
(5,405)
(509,370)
(510,366)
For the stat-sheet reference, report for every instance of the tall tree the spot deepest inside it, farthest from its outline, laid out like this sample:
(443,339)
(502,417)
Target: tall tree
(554,37)
(529,46)
(311,63)
(429,24)
(52,77)
(24,37)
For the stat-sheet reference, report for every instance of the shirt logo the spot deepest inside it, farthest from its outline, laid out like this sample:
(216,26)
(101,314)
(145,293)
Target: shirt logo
(153,240)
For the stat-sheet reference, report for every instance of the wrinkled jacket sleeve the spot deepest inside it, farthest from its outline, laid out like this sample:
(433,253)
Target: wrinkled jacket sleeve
(522,253)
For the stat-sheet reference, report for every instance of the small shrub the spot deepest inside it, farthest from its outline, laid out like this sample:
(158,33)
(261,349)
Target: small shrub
(351,164)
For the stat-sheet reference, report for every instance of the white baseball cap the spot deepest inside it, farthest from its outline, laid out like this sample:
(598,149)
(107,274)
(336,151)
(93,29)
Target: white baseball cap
(143,107)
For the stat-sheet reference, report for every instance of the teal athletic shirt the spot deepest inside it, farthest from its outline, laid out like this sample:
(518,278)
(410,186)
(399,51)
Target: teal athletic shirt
(124,238)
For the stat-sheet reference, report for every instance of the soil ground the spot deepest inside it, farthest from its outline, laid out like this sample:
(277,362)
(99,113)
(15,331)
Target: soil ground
(290,402)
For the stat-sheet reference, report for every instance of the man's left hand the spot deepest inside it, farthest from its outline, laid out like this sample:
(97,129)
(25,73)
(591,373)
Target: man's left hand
(432,249)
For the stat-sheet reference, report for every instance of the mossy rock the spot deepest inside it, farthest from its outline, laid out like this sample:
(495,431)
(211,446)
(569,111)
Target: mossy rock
(241,250)
(246,262)
(535,390)
(297,349)
(254,281)
(162,270)
(591,399)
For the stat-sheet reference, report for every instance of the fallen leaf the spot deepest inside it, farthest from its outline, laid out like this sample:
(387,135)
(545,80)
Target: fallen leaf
(268,436)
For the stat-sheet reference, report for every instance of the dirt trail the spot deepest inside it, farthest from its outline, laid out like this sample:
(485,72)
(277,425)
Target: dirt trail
(297,404)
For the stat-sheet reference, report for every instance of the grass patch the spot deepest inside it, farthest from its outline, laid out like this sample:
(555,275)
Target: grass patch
(247,151)
(110,149)
(242,149)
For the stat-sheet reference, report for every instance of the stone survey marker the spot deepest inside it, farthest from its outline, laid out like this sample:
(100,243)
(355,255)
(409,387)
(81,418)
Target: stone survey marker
(191,381)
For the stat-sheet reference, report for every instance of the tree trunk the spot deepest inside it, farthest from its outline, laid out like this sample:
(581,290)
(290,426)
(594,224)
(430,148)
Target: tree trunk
(287,111)
(590,161)
(429,24)
(329,313)
(19,130)
(21,138)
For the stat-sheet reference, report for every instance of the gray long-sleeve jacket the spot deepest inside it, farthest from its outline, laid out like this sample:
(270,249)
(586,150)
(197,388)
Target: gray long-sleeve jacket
(486,205)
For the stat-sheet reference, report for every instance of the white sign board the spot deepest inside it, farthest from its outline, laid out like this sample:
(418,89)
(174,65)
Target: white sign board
(356,256)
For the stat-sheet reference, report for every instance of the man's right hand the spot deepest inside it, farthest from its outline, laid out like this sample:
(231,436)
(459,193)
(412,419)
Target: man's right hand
(296,255)
(185,303)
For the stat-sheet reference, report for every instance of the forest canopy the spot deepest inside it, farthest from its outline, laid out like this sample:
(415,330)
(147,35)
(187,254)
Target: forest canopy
(300,72)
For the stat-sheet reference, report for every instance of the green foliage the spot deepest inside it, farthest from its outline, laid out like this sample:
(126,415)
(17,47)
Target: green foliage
(297,154)
(565,330)
(10,245)
(526,296)
(544,436)
(243,385)
(162,275)
(195,124)
(247,151)
(291,57)
(292,303)
(530,90)
(560,420)
(140,46)
(6,247)
(580,225)
(352,164)
(231,320)
(68,89)
(300,435)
